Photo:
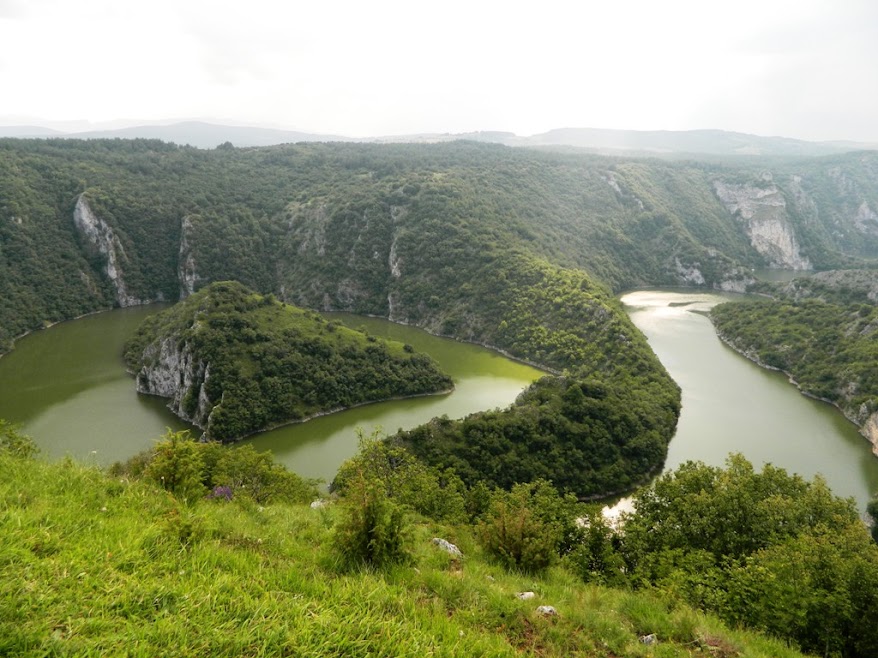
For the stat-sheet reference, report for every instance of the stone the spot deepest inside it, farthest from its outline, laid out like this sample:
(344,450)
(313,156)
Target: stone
(524,596)
(649,639)
(447,546)
(547,610)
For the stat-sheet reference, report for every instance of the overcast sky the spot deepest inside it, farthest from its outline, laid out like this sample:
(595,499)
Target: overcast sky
(798,68)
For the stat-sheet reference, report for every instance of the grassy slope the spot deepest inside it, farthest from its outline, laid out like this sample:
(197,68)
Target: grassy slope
(91,565)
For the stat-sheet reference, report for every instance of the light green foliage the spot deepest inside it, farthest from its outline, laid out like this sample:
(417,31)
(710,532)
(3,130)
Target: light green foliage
(97,565)
(191,469)
(439,495)
(177,465)
(13,442)
(375,531)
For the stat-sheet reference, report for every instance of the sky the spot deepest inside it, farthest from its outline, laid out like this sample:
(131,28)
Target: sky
(800,68)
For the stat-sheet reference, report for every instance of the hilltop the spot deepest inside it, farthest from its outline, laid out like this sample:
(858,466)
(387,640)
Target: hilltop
(235,362)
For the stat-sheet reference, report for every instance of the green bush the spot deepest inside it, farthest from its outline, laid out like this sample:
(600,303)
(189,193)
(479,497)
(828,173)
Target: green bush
(190,469)
(374,531)
(528,527)
(178,466)
(436,494)
(13,442)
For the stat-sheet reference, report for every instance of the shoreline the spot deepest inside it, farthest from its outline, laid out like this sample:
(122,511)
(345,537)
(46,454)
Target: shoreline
(861,427)
(300,421)
(487,346)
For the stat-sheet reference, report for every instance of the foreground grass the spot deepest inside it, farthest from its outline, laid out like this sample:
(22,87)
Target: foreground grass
(91,565)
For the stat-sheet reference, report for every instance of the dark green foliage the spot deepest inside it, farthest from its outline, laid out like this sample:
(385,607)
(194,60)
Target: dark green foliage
(528,527)
(765,549)
(514,248)
(587,437)
(375,531)
(872,510)
(820,589)
(262,363)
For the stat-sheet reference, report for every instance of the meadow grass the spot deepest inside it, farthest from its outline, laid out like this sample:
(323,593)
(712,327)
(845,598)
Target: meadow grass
(96,566)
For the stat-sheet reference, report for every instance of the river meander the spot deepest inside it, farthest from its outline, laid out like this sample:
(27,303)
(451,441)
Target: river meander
(68,387)
(732,405)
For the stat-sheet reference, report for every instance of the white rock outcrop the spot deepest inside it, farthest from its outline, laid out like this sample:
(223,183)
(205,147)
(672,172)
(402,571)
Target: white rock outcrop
(171,371)
(763,211)
(690,274)
(100,237)
(187,274)
(447,546)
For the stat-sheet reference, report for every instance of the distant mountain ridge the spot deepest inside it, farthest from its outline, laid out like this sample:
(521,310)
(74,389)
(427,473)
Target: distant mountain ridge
(206,135)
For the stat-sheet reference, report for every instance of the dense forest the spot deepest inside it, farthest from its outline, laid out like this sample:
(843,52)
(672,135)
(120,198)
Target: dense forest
(821,331)
(236,362)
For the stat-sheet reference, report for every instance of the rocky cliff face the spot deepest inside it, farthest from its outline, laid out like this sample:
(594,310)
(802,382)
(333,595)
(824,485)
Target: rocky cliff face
(172,371)
(187,273)
(763,212)
(100,237)
(869,429)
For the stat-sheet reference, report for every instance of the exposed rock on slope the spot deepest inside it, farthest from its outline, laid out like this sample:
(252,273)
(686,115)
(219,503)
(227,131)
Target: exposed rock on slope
(101,238)
(763,211)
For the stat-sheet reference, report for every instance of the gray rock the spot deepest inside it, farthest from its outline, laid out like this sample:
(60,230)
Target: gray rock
(547,610)
(447,546)
(649,639)
(319,503)
(524,596)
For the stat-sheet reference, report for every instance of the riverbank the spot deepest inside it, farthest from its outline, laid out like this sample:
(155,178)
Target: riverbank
(867,428)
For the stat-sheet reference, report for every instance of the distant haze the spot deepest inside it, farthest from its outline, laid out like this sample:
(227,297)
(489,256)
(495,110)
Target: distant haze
(800,69)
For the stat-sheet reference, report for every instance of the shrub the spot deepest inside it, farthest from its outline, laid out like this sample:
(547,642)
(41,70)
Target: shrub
(405,479)
(528,527)
(13,442)
(178,466)
(374,532)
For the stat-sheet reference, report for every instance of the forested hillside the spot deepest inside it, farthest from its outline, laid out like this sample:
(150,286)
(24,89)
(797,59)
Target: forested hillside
(393,229)
(518,249)
(235,362)
(821,330)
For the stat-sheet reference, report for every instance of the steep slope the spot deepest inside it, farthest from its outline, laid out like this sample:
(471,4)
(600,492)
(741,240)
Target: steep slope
(234,362)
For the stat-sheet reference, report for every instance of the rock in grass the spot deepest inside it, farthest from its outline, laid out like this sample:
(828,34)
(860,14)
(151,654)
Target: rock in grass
(448,547)
(525,596)
(547,610)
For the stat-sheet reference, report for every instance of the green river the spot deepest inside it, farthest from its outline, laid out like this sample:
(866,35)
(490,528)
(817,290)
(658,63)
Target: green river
(68,388)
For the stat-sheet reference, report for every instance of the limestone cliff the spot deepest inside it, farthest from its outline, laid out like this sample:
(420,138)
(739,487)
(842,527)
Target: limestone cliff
(869,429)
(100,237)
(762,209)
(187,273)
(171,370)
